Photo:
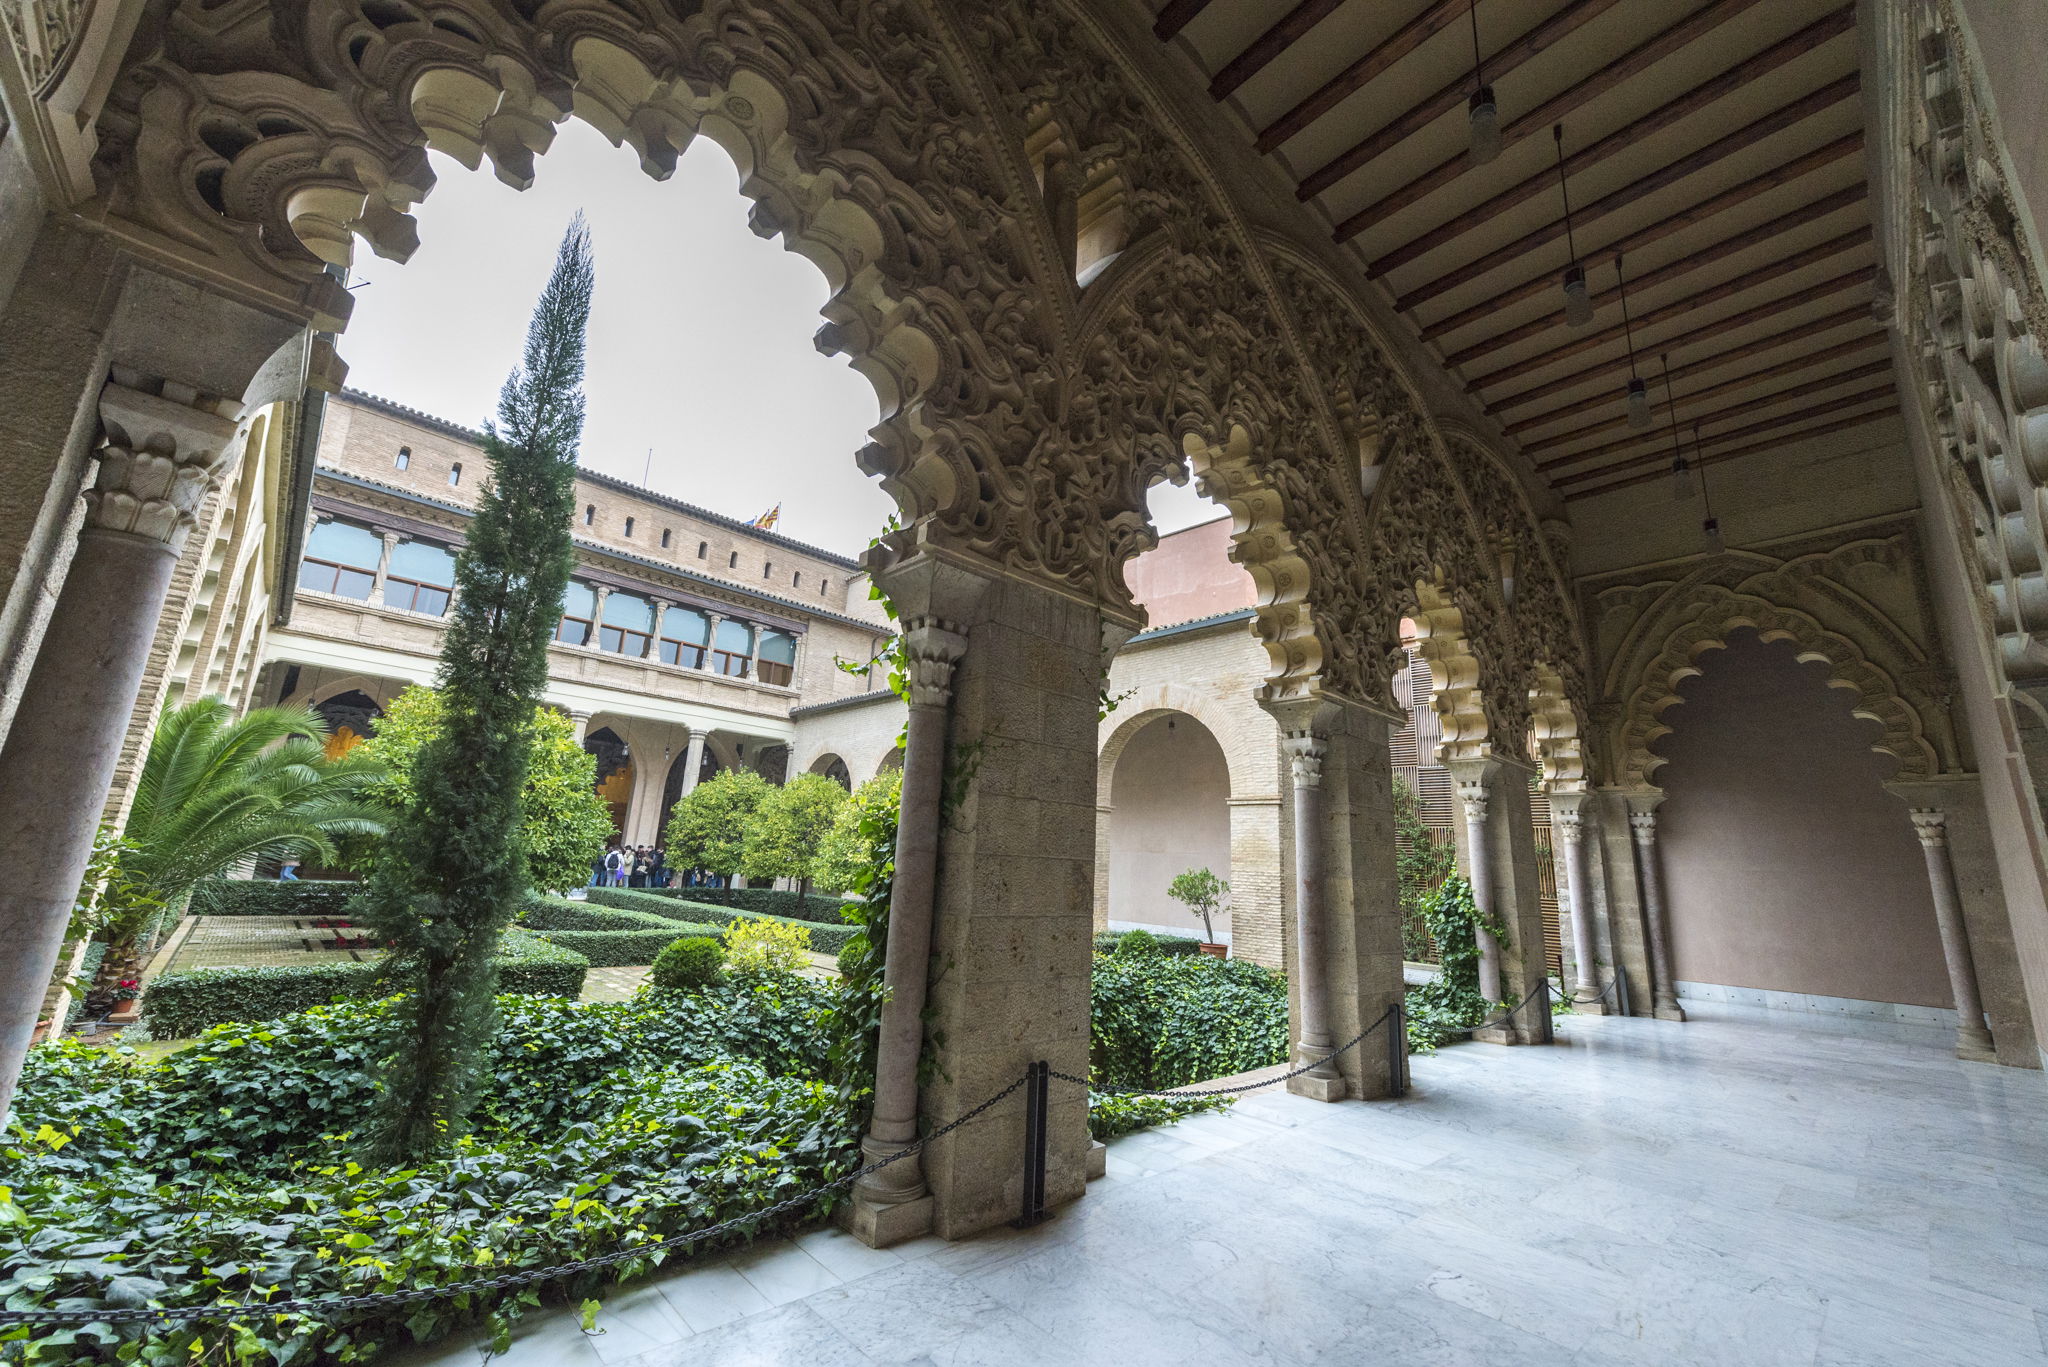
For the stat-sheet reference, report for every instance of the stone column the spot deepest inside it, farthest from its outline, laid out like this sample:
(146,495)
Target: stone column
(596,641)
(582,721)
(1305,753)
(653,652)
(162,456)
(1500,859)
(1567,818)
(1642,821)
(1973,1041)
(712,622)
(391,541)
(1472,796)
(895,1203)
(693,760)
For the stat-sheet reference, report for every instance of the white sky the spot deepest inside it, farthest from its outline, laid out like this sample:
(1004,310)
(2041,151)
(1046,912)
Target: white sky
(700,336)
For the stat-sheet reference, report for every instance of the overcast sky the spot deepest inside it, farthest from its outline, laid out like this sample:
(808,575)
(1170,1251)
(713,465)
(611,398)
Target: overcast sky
(700,336)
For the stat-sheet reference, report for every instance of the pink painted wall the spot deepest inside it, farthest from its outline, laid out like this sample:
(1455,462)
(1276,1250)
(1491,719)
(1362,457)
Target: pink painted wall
(1189,575)
(1170,813)
(1789,868)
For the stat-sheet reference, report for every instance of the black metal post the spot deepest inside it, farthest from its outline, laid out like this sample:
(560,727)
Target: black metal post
(1543,1005)
(1397,1050)
(1621,990)
(1037,1088)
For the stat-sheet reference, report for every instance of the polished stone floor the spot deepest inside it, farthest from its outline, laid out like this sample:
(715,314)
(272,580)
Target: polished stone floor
(1737,1190)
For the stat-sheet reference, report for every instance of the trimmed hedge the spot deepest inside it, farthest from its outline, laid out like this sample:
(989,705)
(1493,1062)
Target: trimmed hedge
(825,939)
(817,907)
(1106,942)
(608,936)
(182,1003)
(269,897)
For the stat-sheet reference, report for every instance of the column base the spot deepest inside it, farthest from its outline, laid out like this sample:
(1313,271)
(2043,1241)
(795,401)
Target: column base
(1592,1008)
(1673,1012)
(1975,1046)
(879,1226)
(1096,1164)
(1317,1088)
(1498,1034)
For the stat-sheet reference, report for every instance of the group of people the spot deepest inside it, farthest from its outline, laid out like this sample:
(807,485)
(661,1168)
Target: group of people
(631,866)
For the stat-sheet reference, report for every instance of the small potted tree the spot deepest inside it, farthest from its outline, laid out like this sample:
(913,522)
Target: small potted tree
(1202,892)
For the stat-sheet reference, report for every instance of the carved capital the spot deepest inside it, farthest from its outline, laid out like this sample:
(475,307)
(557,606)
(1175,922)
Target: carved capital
(1931,825)
(1570,824)
(160,460)
(1305,751)
(931,647)
(1643,825)
(1472,794)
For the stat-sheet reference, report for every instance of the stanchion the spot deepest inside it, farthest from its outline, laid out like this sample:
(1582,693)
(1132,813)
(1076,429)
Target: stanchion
(1543,1005)
(1037,1088)
(1621,990)
(1397,1051)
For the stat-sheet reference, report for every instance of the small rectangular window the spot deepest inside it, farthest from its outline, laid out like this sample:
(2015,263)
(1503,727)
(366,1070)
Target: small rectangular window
(767,570)
(665,534)
(629,529)
(732,562)
(796,579)
(404,461)
(455,474)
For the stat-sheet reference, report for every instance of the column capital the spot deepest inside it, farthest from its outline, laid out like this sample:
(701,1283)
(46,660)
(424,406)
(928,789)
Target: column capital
(1643,825)
(1473,795)
(160,460)
(1305,751)
(931,647)
(1570,823)
(1931,825)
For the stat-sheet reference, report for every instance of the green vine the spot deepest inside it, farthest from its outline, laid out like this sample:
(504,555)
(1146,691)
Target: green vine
(1437,1010)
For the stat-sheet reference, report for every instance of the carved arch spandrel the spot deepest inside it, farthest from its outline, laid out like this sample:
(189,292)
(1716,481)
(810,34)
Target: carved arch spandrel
(1703,621)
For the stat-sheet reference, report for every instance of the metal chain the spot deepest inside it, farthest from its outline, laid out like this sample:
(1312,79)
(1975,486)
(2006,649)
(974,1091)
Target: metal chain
(1576,1000)
(1505,1016)
(388,1299)
(1349,1044)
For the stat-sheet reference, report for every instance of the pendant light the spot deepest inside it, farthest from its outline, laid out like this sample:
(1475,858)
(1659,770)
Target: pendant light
(1685,481)
(1483,111)
(1578,305)
(1710,527)
(1638,393)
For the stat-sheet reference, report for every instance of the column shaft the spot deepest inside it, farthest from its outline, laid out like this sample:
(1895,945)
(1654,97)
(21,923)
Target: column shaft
(1663,984)
(1305,754)
(1569,820)
(1973,1040)
(1479,854)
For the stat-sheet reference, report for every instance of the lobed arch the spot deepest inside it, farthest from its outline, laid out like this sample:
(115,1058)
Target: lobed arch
(1558,729)
(1689,626)
(1455,690)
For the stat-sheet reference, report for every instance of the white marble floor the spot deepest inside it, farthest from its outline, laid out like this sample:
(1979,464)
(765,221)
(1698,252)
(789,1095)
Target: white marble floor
(1730,1191)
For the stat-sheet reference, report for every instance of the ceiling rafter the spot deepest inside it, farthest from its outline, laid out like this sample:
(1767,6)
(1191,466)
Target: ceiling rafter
(1270,44)
(1451,96)
(1855,346)
(1777,121)
(1177,15)
(1756,448)
(1858,236)
(1784,174)
(1557,107)
(1362,72)
(1655,456)
(1651,437)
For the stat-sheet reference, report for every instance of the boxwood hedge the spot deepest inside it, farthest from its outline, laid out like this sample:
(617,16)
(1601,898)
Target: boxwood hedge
(181,1003)
(825,939)
(610,937)
(269,897)
(814,906)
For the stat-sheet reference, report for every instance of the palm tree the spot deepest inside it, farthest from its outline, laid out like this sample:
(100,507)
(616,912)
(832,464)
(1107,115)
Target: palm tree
(217,790)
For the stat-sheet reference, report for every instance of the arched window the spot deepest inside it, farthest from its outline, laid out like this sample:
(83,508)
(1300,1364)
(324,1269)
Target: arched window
(579,607)
(703,549)
(685,632)
(420,579)
(767,570)
(666,533)
(796,579)
(404,461)
(825,589)
(455,474)
(629,529)
(778,657)
(732,562)
(589,514)
(341,558)
(733,649)
(628,626)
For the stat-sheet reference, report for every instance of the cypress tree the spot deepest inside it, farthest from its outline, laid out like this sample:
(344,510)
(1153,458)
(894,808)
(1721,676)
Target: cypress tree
(450,879)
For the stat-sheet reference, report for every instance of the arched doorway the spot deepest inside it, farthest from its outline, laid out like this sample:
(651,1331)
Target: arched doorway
(1170,795)
(1794,879)
(834,768)
(351,720)
(614,772)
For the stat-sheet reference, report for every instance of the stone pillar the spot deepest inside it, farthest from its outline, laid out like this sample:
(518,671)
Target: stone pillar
(582,721)
(1567,818)
(1611,857)
(653,651)
(162,456)
(896,1203)
(712,622)
(1305,753)
(693,761)
(1472,796)
(391,541)
(1500,852)
(1973,1041)
(596,641)
(1642,821)
(1102,817)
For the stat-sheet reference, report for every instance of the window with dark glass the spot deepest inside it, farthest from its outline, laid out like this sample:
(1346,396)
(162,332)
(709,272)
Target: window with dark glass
(629,528)
(589,514)
(778,657)
(341,558)
(703,549)
(666,533)
(420,578)
(628,626)
(732,562)
(685,632)
(796,579)
(733,649)
(455,474)
(767,569)
(404,461)
(579,611)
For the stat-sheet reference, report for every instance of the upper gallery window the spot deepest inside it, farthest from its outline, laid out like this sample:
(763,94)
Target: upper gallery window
(341,558)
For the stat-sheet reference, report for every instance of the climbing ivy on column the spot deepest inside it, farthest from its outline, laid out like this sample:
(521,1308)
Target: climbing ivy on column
(451,878)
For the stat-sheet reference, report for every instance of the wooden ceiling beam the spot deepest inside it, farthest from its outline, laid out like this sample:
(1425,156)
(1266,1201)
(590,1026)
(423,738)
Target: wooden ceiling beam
(1777,121)
(1657,435)
(1847,401)
(1449,97)
(1840,425)
(1748,280)
(1175,16)
(1855,346)
(1362,72)
(1632,63)
(1293,27)
(1791,301)
(1706,256)
(1840,148)
(1667,115)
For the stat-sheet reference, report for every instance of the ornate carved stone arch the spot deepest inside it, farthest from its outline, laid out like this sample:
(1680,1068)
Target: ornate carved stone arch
(1688,625)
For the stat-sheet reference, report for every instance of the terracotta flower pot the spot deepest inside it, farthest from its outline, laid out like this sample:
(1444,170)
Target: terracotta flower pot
(123,1006)
(1216,951)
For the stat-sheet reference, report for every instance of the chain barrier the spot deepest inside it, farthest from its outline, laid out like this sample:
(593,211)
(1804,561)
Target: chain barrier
(1309,1067)
(1572,998)
(1542,988)
(323,1305)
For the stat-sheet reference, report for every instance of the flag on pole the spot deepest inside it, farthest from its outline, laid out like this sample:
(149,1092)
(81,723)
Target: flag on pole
(766,521)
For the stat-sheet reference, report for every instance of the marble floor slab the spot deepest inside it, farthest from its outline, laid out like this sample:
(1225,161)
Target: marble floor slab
(1727,1191)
